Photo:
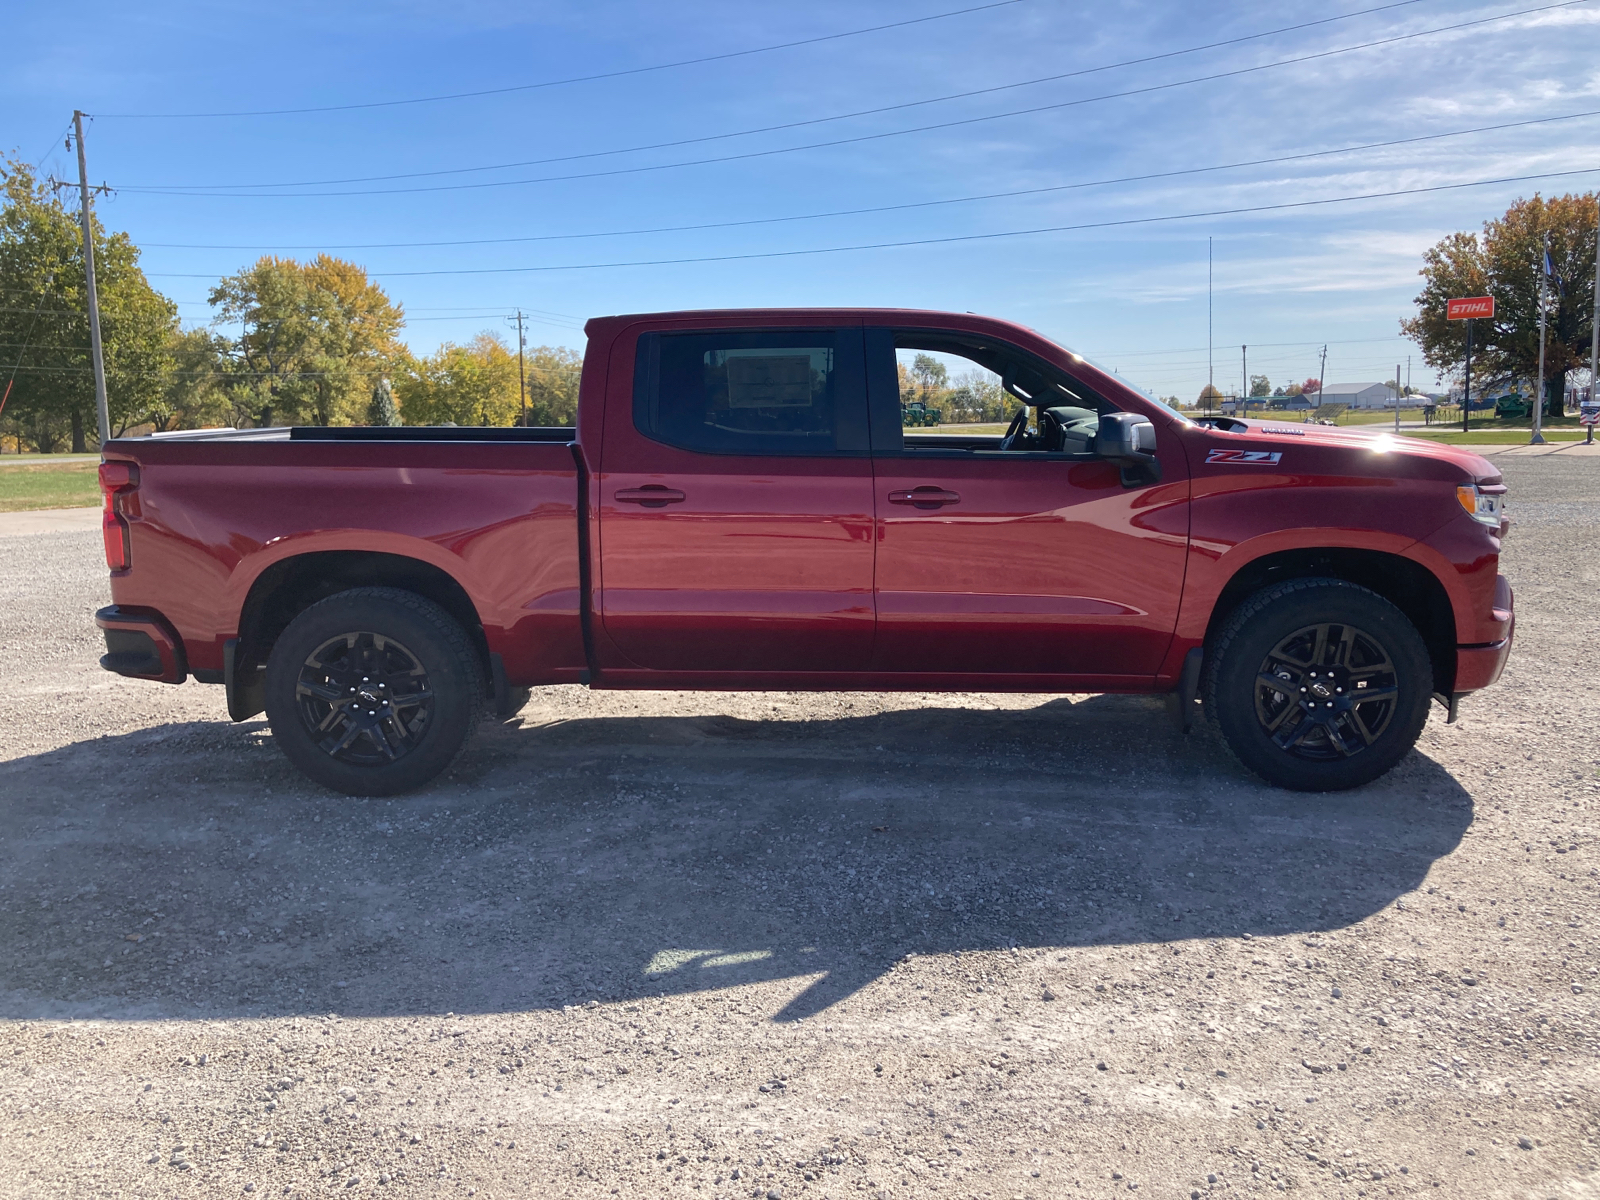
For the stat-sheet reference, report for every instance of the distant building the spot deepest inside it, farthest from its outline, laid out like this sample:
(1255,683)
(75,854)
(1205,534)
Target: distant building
(1358,395)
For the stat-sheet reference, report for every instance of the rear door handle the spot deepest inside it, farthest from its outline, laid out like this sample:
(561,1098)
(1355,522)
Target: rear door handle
(651,495)
(925,497)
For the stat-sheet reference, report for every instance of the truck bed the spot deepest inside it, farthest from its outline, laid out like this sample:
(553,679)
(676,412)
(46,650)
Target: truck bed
(491,516)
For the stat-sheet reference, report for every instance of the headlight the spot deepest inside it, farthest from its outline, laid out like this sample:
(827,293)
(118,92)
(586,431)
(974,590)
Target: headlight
(1485,504)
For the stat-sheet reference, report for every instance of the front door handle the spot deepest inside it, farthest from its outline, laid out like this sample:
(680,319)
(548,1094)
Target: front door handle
(926,496)
(651,495)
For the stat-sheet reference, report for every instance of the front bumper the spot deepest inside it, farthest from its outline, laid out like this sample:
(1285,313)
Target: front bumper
(141,645)
(1480,665)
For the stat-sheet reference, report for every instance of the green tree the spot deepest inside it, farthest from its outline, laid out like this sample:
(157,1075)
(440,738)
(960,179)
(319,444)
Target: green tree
(314,338)
(1505,262)
(978,396)
(194,384)
(553,376)
(931,375)
(44,318)
(382,410)
(1260,385)
(475,384)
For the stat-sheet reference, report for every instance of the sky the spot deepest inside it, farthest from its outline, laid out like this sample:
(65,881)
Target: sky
(810,142)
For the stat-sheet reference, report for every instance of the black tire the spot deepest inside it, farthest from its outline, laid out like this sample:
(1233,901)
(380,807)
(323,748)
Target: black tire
(373,691)
(1356,680)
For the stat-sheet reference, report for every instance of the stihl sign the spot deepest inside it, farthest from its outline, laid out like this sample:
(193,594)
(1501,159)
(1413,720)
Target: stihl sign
(1471,306)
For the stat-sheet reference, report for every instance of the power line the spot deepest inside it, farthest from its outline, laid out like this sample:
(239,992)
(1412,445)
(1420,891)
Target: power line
(865,112)
(180,190)
(550,83)
(854,212)
(967,237)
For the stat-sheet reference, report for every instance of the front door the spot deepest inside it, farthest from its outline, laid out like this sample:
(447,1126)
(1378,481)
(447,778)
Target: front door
(1019,561)
(736,504)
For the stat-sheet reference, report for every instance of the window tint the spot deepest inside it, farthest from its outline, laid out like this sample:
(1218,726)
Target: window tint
(797,393)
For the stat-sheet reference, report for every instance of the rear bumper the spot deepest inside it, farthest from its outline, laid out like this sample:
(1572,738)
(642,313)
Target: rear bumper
(141,645)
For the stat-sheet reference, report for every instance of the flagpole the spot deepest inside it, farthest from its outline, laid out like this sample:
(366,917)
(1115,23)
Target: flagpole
(1538,408)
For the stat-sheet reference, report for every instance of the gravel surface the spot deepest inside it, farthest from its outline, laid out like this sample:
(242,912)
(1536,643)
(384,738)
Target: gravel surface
(760,945)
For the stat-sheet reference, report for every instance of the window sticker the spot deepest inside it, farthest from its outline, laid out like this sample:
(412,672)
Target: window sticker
(769,380)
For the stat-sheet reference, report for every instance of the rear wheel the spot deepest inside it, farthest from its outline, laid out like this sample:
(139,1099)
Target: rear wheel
(373,691)
(1319,684)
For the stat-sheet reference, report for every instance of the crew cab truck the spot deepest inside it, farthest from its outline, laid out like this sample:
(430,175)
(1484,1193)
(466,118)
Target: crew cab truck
(740,507)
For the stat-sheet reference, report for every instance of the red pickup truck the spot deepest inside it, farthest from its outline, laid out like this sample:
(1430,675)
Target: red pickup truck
(740,507)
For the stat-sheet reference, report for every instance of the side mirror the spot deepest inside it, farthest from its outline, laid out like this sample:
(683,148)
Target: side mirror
(1130,441)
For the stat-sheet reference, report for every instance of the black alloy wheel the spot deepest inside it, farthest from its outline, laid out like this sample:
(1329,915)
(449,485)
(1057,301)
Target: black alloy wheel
(1326,692)
(373,691)
(364,698)
(1318,684)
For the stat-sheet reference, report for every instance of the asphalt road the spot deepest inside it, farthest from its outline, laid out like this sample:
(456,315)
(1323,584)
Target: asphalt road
(711,945)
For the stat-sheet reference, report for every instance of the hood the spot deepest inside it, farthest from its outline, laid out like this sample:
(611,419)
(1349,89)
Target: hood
(1379,442)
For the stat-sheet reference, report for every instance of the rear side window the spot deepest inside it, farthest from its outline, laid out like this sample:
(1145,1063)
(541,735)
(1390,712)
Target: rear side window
(753,392)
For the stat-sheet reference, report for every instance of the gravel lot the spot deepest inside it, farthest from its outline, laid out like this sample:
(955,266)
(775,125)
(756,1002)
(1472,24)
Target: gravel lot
(750,945)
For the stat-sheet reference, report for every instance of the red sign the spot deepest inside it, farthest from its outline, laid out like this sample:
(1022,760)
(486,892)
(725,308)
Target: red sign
(1471,306)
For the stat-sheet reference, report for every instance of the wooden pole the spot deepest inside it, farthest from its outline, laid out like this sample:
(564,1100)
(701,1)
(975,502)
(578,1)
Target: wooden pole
(95,351)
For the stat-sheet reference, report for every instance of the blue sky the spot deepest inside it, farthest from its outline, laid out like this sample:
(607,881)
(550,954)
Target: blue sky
(1131,296)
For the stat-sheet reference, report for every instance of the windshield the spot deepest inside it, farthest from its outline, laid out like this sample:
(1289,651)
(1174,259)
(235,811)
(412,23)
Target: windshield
(1145,392)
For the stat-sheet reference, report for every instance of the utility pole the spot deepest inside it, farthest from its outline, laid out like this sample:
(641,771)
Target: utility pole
(95,352)
(1322,375)
(522,378)
(1397,398)
(1244,375)
(1538,407)
(1211,376)
(1594,334)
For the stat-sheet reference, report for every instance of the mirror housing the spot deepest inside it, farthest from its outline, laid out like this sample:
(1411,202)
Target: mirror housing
(1129,440)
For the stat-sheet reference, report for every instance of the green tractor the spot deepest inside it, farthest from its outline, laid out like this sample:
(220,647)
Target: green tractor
(1513,407)
(917,415)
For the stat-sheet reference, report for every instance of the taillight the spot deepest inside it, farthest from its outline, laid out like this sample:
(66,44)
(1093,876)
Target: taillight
(118,481)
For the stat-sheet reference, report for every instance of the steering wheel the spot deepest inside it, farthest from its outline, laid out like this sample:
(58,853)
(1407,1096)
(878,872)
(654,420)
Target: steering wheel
(1015,431)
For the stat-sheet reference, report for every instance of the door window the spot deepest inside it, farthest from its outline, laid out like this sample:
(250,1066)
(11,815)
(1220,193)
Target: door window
(797,393)
(956,392)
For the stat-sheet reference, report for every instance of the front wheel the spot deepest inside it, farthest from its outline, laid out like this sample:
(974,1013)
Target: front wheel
(373,691)
(1319,684)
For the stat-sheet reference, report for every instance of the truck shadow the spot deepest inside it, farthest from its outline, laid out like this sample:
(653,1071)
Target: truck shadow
(187,870)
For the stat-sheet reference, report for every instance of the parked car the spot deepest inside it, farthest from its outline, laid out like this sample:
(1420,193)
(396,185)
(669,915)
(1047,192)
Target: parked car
(739,506)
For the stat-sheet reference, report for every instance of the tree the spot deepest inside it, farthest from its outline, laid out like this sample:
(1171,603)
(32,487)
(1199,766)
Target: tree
(1505,262)
(931,375)
(1209,398)
(1311,386)
(382,410)
(553,376)
(194,384)
(475,384)
(44,317)
(1260,385)
(315,337)
(977,396)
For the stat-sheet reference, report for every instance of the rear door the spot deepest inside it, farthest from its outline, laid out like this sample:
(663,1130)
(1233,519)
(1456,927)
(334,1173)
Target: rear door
(736,503)
(1018,561)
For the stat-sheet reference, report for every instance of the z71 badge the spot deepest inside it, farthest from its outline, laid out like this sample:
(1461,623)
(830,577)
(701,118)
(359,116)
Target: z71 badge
(1261,458)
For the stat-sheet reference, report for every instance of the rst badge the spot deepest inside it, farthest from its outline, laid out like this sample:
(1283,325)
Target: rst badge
(1261,458)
